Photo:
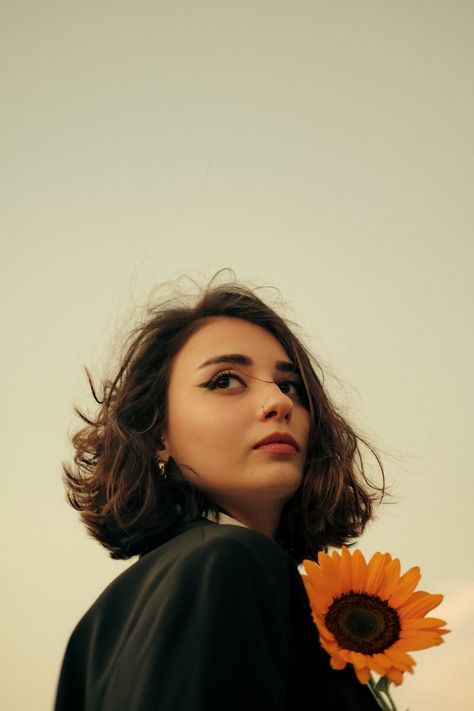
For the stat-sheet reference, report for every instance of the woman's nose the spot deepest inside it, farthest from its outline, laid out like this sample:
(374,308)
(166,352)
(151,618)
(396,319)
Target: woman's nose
(275,403)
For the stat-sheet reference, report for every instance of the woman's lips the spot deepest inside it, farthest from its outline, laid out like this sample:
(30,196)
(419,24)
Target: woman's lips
(278,438)
(278,448)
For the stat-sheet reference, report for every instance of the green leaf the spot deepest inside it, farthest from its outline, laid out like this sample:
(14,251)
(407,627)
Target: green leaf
(382,685)
(376,692)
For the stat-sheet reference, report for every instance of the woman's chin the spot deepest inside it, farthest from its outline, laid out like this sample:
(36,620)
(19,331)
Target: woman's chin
(282,484)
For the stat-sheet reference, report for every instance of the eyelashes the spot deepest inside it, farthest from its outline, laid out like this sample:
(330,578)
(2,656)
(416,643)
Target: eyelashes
(221,380)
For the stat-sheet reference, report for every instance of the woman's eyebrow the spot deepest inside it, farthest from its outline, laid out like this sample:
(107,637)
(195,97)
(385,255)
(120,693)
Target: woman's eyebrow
(283,365)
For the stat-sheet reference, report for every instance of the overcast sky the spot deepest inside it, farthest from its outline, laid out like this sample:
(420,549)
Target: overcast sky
(324,148)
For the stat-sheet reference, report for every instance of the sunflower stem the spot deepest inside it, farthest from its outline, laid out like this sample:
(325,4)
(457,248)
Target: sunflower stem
(381,692)
(392,702)
(375,689)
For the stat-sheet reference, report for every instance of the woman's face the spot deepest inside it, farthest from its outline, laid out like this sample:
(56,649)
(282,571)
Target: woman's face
(231,386)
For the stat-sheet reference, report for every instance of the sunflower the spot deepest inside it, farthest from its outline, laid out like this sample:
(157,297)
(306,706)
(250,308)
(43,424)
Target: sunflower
(369,615)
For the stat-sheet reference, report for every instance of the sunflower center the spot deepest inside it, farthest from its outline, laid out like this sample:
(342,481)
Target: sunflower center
(363,623)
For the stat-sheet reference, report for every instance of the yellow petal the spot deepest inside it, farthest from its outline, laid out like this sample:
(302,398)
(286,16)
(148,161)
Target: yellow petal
(337,663)
(340,573)
(330,569)
(420,641)
(345,654)
(319,589)
(395,676)
(405,587)
(391,578)
(419,634)
(346,570)
(311,568)
(376,667)
(359,572)
(363,675)
(422,623)
(376,571)
(326,563)
(382,660)
(419,604)
(324,632)
(330,647)
(397,655)
(322,584)
(402,665)
(317,600)
(358,660)
(313,573)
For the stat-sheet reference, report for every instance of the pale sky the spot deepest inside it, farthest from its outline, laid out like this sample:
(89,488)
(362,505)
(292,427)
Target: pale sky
(324,148)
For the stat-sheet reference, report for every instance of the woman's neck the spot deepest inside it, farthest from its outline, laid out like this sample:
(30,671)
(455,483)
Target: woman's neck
(262,518)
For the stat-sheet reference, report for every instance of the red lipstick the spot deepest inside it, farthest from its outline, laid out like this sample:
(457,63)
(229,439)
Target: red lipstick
(278,443)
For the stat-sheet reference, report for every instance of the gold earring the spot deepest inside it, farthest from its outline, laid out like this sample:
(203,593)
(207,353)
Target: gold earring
(162,468)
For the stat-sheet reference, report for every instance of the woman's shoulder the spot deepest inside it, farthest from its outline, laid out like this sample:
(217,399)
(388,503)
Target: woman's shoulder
(219,546)
(200,553)
(203,555)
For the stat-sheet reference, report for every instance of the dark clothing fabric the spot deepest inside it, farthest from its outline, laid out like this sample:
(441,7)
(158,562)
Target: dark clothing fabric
(215,618)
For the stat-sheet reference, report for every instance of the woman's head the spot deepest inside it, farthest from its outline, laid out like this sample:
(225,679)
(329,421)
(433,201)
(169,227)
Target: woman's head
(178,397)
(231,387)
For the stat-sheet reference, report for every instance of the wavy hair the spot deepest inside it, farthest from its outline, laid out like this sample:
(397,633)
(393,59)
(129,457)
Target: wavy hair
(114,481)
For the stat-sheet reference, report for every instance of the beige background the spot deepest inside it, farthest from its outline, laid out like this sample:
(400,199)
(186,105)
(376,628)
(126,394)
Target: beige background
(325,148)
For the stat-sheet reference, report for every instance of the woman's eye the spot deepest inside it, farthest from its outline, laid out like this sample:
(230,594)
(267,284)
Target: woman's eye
(290,387)
(224,381)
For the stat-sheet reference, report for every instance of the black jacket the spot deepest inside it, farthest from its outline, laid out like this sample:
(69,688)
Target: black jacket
(215,618)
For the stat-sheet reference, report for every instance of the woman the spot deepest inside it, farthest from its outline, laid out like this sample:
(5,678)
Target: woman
(217,457)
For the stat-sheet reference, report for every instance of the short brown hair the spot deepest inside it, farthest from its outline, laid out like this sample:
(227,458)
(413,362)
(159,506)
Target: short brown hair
(114,479)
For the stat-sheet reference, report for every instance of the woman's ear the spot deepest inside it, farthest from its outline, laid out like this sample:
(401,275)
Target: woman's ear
(163,452)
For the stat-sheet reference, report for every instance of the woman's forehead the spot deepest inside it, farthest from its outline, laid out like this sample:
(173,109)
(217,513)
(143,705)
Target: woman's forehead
(227,335)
